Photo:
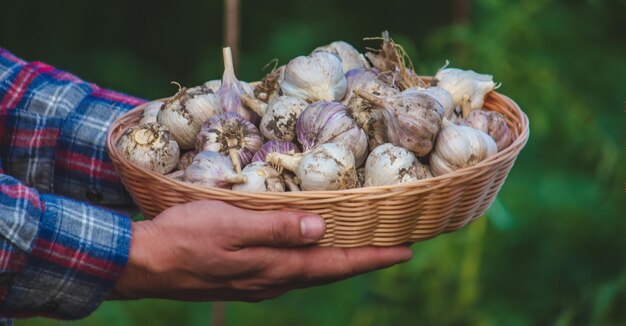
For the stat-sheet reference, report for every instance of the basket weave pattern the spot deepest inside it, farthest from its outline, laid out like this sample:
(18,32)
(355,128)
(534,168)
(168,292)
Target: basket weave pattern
(379,216)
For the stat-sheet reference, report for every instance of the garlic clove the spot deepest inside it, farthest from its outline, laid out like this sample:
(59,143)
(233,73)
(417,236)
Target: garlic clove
(281,147)
(318,77)
(460,82)
(150,112)
(149,146)
(326,167)
(230,134)
(184,113)
(459,147)
(231,90)
(349,56)
(492,123)
(329,122)
(389,164)
(211,169)
(260,177)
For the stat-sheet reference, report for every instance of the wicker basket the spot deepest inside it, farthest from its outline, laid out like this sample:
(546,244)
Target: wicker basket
(379,216)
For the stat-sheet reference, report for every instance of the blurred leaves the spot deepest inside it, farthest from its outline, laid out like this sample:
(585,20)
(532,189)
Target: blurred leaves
(551,249)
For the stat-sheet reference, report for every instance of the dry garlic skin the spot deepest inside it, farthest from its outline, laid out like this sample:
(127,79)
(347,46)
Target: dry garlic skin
(388,164)
(349,56)
(279,121)
(184,113)
(150,146)
(318,77)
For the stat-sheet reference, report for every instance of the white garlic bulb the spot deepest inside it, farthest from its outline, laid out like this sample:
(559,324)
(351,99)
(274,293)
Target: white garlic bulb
(149,146)
(184,113)
(260,177)
(211,169)
(460,82)
(150,112)
(318,77)
(279,117)
(388,164)
(349,56)
(326,167)
(459,147)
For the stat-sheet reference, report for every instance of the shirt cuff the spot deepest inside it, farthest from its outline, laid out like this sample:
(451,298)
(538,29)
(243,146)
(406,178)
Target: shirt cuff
(76,258)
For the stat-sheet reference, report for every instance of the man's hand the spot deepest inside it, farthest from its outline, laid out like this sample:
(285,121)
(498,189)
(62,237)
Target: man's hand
(209,250)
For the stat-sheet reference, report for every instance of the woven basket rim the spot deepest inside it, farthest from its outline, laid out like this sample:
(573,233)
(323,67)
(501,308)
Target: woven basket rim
(418,187)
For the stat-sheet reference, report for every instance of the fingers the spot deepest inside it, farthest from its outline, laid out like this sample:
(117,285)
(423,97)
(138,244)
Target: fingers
(321,265)
(278,229)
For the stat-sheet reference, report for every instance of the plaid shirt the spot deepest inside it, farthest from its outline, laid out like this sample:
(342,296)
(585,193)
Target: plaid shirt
(59,257)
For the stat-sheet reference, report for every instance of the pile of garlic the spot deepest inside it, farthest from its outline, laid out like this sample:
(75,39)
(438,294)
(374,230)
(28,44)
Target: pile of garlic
(334,119)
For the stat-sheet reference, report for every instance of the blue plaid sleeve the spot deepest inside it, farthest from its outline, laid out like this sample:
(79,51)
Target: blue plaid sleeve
(59,257)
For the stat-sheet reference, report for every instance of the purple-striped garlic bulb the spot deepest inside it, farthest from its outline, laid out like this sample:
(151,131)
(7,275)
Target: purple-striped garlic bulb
(211,169)
(366,115)
(459,147)
(493,123)
(318,77)
(325,167)
(389,164)
(282,147)
(150,112)
(349,56)
(329,122)
(460,82)
(279,117)
(230,134)
(261,177)
(231,90)
(184,113)
(413,118)
(185,160)
(149,146)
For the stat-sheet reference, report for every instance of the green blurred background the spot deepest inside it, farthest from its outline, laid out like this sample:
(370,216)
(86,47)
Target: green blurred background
(551,250)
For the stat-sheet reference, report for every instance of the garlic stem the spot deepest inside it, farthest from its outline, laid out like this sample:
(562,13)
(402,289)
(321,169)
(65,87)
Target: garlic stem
(371,98)
(466,105)
(229,70)
(234,157)
(235,178)
(259,107)
(289,162)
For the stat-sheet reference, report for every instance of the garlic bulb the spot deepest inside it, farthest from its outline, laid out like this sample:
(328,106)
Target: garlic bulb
(459,147)
(464,82)
(388,164)
(269,87)
(349,56)
(279,117)
(260,177)
(282,147)
(149,146)
(150,112)
(326,167)
(413,118)
(232,90)
(318,77)
(441,95)
(329,122)
(184,113)
(366,115)
(211,169)
(230,134)
(492,123)
(185,160)
(213,85)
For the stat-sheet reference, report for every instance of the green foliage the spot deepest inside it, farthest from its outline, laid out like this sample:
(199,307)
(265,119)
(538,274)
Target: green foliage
(552,248)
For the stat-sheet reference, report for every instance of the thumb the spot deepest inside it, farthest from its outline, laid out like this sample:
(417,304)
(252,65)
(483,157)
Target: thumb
(280,229)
